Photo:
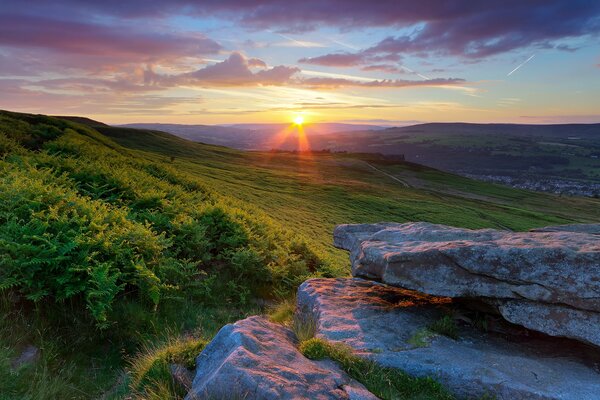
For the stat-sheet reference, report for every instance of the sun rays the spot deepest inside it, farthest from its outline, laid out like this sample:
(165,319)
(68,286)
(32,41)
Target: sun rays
(296,128)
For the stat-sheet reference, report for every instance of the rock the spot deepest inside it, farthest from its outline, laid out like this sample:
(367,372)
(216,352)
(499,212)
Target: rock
(554,320)
(556,266)
(29,355)
(382,322)
(257,359)
(181,376)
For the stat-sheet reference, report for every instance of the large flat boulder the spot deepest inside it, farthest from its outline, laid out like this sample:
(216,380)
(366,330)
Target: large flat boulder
(557,266)
(257,359)
(381,322)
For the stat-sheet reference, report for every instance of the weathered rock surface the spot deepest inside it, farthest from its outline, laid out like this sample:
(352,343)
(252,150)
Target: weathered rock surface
(557,267)
(256,359)
(380,322)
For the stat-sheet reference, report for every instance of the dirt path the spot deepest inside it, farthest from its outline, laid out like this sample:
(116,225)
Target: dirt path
(403,183)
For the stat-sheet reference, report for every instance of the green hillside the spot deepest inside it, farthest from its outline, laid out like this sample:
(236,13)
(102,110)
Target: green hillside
(117,239)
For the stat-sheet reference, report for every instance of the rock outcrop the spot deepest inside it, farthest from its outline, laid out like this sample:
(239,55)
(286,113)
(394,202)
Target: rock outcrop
(257,359)
(383,323)
(547,279)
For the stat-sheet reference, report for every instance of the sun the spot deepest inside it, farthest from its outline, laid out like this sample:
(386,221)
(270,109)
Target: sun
(298,120)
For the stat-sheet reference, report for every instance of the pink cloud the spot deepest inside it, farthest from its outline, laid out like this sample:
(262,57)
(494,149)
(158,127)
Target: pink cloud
(87,43)
(234,71)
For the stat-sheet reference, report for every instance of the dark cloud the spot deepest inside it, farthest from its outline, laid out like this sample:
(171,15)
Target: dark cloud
(459,27)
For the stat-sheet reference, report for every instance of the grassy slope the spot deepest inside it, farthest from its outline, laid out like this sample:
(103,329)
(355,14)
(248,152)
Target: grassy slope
(310,194)
(307,194)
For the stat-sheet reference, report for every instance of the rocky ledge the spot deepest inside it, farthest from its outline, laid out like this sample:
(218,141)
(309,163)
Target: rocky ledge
(392,327)
(445,307)
(546,280)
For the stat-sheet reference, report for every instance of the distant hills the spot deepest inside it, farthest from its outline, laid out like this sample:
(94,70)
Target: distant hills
(557,158)
(250,136)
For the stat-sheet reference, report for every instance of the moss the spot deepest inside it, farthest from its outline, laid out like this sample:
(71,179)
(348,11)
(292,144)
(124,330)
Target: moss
(421,338)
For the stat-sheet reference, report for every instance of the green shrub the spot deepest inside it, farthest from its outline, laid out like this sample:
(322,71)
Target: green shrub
(83,220)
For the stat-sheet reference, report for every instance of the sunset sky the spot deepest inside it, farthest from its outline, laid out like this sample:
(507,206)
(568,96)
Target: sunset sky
(382,62)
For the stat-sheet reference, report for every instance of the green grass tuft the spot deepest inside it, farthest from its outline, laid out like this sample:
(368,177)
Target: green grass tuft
(304,326)
(445,326)
(283,312)
(149,369)
(386,383)
(421,338)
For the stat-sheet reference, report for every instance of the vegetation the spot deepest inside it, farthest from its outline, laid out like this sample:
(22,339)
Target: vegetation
(386,383)
(118,245)
(445,326)
(149,373)
(304,326)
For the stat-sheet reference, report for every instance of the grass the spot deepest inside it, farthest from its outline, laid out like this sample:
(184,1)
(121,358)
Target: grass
(283,312)
(304,326)
(310,194)
(386,383)
(421,338)
(445,326)
(211,230)
(149,375)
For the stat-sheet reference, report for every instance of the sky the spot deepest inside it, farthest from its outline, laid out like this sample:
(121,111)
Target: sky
(247,61)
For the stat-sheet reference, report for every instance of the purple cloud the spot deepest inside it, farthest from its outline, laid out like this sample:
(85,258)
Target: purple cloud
(335,83)
(88,43)
(460,27)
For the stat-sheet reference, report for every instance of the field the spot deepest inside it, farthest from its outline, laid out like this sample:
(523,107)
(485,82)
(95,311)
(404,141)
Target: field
(124,249)
(311,193)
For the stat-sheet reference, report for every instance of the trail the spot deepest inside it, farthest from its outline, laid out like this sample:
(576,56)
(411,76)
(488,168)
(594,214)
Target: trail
(403,183)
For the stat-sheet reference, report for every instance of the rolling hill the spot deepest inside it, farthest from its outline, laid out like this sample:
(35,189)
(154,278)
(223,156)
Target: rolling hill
(562,159)
(118,240)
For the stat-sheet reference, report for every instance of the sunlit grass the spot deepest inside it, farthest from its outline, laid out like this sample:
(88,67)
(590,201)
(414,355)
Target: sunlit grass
(386,383)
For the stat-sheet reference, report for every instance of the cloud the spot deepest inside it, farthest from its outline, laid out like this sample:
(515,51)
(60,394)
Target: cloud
(459,27)
(335,60)
(335,83)
(234,71)
(384,68)
(87,44)
(18,95)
